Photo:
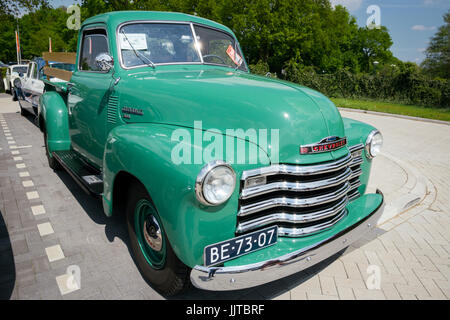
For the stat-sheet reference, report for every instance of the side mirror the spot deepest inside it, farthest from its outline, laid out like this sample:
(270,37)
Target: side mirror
(104,62)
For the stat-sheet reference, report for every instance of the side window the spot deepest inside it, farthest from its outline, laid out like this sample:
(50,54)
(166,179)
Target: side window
(94,43)
(35,71)
(30,65)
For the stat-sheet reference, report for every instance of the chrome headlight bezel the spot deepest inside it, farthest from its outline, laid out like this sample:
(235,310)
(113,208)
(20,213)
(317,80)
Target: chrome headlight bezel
(369,144)
(203,175)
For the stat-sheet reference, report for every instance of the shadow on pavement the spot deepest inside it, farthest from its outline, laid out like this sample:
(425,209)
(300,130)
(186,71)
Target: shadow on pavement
(7,266)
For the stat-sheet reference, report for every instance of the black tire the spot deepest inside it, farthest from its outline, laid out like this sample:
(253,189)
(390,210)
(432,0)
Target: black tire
(52,162)
(14,96)
(22,110)
(173,277)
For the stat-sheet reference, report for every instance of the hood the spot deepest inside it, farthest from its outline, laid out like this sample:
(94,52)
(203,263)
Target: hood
(225,99)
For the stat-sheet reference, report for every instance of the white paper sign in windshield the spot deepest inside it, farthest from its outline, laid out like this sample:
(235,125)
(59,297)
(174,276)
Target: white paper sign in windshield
(137,40)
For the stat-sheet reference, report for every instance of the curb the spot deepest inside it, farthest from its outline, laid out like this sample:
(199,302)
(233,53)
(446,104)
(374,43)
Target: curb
(447,123)
(412,197)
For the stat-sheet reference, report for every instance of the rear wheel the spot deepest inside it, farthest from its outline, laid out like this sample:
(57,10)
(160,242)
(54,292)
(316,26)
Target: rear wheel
(52,162)
(13,92)
(151,248)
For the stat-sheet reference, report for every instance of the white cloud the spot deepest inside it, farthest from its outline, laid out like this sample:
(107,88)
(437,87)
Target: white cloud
(421,27)
(351,5)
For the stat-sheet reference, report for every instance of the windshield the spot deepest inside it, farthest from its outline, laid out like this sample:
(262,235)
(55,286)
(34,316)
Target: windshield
(218,47)
(165,43)
(20,70)
(157,42)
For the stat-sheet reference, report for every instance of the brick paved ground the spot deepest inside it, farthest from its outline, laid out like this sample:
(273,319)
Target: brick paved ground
(46,217)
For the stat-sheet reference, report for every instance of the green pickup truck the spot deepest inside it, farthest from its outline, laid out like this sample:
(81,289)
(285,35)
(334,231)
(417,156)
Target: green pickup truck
(228,180)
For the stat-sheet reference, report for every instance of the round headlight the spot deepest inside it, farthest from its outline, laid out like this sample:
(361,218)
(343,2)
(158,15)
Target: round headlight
(374,143)
(215,183)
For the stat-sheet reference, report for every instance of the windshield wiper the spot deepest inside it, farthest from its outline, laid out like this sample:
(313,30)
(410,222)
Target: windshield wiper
(138,54)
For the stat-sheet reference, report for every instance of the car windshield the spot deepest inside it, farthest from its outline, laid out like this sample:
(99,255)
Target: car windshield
(20,69)
(172,43)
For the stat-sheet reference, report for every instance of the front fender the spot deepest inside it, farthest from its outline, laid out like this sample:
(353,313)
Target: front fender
(144,151)
(357,133)
(53,113)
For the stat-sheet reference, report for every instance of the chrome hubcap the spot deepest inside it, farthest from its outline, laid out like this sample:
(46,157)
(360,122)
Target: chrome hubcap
(152,233)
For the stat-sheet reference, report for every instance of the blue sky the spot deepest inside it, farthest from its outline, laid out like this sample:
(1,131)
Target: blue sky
(411,23)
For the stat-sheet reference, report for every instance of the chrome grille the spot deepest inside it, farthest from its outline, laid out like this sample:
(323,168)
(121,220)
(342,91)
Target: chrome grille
(301,200)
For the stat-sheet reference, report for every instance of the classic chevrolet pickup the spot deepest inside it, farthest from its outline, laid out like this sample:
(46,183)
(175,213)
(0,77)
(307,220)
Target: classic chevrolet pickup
(227,179)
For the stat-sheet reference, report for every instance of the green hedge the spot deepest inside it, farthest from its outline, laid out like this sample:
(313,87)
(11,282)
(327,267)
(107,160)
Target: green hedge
(402,85)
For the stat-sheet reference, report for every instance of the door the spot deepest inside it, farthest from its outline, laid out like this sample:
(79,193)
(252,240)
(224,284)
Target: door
(88,97)
(36,88)
(25,94)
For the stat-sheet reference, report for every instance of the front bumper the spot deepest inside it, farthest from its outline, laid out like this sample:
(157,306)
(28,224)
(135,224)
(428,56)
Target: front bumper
(247,276)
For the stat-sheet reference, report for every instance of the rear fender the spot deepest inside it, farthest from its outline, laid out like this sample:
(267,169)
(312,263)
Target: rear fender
(54,116)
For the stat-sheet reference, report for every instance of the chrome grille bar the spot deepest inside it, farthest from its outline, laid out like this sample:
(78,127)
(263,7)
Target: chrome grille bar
(293,218)
(298,170)
(294,202)
(297,186)
(297,232)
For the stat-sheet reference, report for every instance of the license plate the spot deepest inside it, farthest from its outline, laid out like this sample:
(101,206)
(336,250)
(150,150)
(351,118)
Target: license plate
(236,247)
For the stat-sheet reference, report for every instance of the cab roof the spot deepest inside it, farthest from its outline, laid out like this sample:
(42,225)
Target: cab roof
(115,18)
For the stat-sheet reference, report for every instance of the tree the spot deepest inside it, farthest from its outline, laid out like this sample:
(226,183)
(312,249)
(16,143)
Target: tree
(14,7)
(437,62)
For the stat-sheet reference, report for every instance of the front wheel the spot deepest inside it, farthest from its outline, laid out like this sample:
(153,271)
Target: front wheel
(151,248)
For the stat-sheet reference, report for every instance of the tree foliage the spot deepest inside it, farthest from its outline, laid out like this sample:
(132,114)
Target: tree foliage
(437,63)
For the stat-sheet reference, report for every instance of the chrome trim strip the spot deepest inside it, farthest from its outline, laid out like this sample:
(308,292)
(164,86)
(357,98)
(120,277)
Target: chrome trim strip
(293,218)
(297,232)
(251,275)
(356,162)
(368,142)
(294,202)
(356,173)
(299,170)
(356,147)
(296,186)
(352,195)
(354,185)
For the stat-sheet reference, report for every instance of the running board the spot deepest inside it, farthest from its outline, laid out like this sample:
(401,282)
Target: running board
(89,178)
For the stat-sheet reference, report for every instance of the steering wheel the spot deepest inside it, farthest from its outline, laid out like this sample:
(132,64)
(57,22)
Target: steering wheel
(213,55)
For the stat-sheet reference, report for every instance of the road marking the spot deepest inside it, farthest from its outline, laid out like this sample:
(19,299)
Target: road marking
(54,253)
(11,142)
(19,147)
(45,229)
(15,152)
(32,195)
(17,158)
(21,165)
(24,174)
(63,281)
(37,210)
(7,135)
(28,183)
(9,138)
